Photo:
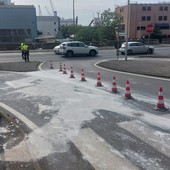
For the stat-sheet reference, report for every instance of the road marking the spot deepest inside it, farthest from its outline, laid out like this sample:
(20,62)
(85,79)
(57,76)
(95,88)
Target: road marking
(159,140)
(132,74)
(100,154)
(20,116)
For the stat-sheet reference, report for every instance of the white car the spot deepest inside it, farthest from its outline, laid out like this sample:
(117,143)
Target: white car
(57,49)
(136,48)
(72,48)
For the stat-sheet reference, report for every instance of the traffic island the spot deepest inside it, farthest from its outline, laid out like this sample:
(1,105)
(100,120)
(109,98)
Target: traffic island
(144,67)
(20,66)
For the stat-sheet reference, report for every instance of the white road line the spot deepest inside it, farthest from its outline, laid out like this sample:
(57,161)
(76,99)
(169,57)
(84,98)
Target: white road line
(20,116)
(101,155)
(156,139)
(132,74)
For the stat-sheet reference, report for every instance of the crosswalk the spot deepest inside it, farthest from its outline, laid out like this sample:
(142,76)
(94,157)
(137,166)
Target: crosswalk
(133,145)
(101,155)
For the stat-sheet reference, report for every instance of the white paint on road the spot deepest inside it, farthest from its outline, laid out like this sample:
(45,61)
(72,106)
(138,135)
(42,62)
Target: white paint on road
(100,154)
(155,138)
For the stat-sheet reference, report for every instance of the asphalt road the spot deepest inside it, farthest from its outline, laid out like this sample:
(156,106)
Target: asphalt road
(108,129)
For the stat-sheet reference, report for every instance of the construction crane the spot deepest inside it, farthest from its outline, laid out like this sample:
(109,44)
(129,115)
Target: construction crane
(40,13)
(48,11)
(52,6)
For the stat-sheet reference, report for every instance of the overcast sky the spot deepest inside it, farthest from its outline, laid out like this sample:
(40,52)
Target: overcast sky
(84,9)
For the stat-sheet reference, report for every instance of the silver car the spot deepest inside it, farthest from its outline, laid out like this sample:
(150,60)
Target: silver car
(136,48)
(57,49)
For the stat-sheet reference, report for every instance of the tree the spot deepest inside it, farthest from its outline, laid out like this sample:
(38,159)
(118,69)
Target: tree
(107,29)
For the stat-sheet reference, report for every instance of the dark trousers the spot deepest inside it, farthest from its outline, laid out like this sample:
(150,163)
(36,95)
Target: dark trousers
(26,56)
(22,54)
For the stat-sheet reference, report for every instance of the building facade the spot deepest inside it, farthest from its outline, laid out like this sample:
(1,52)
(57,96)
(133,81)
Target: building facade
(48,25)
(141,15)
(6,2)
(17,24)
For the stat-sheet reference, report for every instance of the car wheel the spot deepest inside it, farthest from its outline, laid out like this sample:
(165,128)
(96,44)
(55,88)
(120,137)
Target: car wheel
(69,53)
(129,52)
(92,53)
(150,51)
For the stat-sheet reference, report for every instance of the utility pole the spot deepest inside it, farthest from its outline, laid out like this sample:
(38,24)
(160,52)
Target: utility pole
(74,20)
(127,30)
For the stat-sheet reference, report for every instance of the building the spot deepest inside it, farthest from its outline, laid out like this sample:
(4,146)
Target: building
(17,23)
(141,15)
(48,25)
(6,2)
(68,22)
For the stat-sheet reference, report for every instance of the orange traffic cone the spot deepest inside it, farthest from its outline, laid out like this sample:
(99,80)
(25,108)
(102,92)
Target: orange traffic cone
(98,80)
(71,73)
(64,69)
(128,91)
(82,75)
(51,65)
(60,67)
(160,104)
(114,88)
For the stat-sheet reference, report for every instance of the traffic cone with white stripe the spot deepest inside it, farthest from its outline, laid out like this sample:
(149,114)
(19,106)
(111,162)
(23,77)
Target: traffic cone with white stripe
(128,91)
(60,67)
(98,80)
(64,69)
(82,75)
(160,104)
(71,73)
(114,88)
(51,65)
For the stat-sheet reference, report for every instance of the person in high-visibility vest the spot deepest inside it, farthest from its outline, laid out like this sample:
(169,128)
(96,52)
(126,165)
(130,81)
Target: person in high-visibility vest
(21,48)
(26,52)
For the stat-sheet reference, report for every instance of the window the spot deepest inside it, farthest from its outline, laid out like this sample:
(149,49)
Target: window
(54,23)
(160,18)
(55,30)
(149,8)
(121,19)
(143,18)
(148,18)
(166,8)
(144,8)
(165,18)
(143,28)
(121,9)
(81,45)
(161,8)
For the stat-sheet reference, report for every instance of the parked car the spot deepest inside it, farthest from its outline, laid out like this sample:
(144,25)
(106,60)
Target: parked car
(72,48)
(57,49)
(136,48)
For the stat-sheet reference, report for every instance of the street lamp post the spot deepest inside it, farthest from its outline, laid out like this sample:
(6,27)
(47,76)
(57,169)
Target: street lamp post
(74,20)
(127,30)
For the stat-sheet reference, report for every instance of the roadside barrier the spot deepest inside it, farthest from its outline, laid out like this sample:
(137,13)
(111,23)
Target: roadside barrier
(114,88)
(60,68)
(128,91)
(82,75)
(160,104)
(98,80)
(51,65)
(64,69)
(71,73)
